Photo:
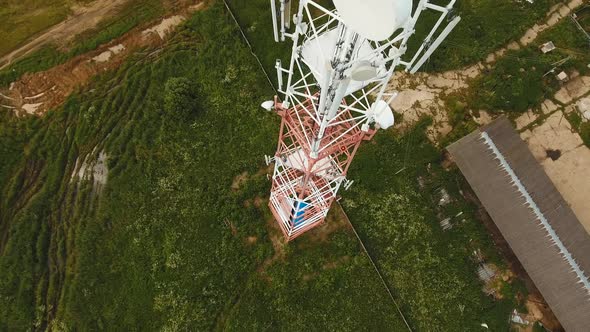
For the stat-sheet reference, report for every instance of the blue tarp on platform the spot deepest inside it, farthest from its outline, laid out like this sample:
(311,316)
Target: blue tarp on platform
(298,212)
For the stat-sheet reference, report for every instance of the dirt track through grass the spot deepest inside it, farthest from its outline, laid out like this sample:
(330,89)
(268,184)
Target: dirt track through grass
(83,19)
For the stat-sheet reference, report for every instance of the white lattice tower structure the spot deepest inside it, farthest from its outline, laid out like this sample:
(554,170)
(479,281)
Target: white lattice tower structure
(334,96)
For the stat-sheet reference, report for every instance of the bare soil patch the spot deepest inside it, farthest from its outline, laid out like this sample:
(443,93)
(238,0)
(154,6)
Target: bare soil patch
(278,243)
(334,221)
(238,181)
(251,240)
(570,172)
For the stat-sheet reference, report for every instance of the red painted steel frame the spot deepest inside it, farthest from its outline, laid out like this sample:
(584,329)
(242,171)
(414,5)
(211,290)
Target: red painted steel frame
(339,147)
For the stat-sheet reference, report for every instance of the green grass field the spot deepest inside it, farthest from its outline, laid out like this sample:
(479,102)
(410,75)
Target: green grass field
(395,206)
(154,251)
(167,244)
(396,217)
(486,26)
(523,79)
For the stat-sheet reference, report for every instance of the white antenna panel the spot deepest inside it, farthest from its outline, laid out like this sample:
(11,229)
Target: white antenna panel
(317,54)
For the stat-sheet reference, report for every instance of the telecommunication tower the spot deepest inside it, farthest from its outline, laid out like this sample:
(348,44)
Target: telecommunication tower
(333,93)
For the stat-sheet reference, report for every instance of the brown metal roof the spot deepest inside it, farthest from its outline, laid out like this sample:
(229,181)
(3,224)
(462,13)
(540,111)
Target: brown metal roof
(550,272)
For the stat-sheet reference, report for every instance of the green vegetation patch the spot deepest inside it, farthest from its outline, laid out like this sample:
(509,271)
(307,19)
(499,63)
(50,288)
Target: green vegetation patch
(524,78)
(582,127)
(255,19)
(401,195)
(486,26)
(318,284)
(168,243)
(516,83)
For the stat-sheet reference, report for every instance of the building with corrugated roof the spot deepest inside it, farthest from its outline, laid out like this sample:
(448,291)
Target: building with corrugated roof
(540,227)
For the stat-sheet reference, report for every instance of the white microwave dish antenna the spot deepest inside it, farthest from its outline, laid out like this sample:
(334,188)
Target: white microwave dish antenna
(375,20)
(383,114)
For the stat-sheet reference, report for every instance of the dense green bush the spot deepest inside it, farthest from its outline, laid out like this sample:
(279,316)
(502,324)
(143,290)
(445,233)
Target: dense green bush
(179,98)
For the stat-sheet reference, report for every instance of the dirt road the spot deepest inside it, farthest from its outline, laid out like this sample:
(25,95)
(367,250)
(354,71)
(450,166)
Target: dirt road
(82,19)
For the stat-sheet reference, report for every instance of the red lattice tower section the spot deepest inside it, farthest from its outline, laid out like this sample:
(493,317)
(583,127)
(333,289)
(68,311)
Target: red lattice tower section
(303,187)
